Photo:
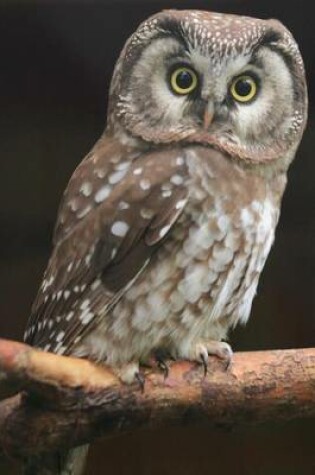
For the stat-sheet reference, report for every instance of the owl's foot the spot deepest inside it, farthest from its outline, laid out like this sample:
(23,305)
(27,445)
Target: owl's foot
(201,351)
(130,374)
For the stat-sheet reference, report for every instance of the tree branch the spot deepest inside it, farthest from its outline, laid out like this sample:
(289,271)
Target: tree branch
(68,401)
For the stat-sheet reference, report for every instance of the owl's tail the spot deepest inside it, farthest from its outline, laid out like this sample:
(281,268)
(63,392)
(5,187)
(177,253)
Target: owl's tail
(61,463)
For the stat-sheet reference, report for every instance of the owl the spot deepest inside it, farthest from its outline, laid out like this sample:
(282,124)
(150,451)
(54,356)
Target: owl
(165,226)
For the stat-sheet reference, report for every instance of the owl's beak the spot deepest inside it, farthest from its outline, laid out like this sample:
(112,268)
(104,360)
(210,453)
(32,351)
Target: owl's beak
(208,115)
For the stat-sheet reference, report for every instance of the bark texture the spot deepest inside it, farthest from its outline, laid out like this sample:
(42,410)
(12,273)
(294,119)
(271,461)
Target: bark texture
(65,402)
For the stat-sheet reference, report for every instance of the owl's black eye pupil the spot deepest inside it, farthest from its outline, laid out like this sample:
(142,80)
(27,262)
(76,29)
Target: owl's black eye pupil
(184,80)
(243,87)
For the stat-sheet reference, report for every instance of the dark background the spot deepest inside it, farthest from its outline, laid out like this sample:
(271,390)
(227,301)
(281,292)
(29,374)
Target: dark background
(56,60)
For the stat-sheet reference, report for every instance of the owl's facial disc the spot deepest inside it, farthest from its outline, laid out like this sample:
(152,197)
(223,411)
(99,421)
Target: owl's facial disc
(221,80)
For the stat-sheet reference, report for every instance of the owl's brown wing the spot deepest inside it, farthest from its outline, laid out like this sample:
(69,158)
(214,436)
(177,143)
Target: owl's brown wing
(99,255)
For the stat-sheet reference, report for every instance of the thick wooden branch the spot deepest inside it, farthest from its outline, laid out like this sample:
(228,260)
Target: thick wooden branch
(67,401)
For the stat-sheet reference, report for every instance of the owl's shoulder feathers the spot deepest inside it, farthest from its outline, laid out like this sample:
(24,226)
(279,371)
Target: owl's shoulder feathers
(117,209)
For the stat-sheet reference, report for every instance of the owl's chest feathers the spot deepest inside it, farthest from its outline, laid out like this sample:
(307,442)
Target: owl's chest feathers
(230,224)
(203,278)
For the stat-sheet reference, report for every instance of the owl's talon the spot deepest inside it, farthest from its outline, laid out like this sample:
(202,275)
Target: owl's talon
(204,362)
(222,350)
(163,366)
(129,374)
(201,351)
(228,364)
(141,380)
(160,356)
(202,356)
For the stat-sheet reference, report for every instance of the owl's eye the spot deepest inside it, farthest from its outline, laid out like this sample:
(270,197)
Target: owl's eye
(244,88)
(183,80)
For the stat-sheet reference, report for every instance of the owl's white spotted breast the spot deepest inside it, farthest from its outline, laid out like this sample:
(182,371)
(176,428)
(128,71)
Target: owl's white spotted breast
(203,279)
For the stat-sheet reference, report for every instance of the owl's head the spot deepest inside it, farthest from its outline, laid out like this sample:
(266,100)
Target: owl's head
(226,81)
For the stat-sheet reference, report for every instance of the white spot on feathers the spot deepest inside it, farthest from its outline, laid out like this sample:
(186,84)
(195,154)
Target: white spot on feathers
(84,211)
(166,193)
(85,304)
(86,317)
(116,177)
(86,188)
(100,173)
(60,336)
(164,231)
(66,294)
(96,284)
(145,184)
(123,205)
(138,171)
(119,228)
(177,179)
(73,205)
(181,203)
(102,194)
(69,316)
(122,166)
(146,213)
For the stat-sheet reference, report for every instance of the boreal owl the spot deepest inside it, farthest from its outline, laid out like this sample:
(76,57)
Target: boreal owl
(165,226)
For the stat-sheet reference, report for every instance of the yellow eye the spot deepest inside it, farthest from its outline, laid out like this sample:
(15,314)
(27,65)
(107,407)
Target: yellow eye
(184,80)
(244,88)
